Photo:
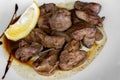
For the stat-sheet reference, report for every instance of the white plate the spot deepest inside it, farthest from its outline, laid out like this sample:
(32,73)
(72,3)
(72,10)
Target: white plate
(105,67)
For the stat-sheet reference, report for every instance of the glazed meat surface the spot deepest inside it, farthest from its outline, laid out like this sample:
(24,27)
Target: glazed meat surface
(62,34)
(60,20)
(53,41)
(47,41)
(79,30)
(98,35)
(88,42)
(71,56)
(88,12)
(70,60)
(95,7)
(72,45)
(43,21)
(48,8)
(26,51)
(47,62)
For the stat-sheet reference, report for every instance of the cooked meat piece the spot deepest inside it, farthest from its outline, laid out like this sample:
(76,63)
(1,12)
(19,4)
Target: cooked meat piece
(60,20)
(53,41)
(72,45)
(48,8)
(62,34)
(47,63)
(79,34)
(98,35)
(50,41)
(88,12)
(79,30)
(90,32)
(35,35)
(26,52)
(37,45)
(71,56)
(74,19)
(31,37)
(43,21)
(38,35)
(95,7)
(88,42)
(72,59)
(78,26)
(47,30)
(89,17)
(79,4)
(23,43)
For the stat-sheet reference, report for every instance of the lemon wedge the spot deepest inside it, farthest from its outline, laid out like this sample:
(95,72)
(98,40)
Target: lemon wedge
(25,24)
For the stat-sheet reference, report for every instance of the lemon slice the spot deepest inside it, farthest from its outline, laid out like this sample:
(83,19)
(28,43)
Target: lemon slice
(25,24)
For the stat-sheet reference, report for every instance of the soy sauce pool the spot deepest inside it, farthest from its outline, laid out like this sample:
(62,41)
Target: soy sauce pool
(10,48)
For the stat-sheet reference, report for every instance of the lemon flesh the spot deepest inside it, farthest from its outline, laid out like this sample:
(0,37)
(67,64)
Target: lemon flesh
(25,24)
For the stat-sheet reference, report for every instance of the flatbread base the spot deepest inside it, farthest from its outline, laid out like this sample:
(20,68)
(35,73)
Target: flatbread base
(30,74)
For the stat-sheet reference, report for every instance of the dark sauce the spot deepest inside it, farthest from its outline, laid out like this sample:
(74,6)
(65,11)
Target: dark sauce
(7,46)
(7,66)
(0,42)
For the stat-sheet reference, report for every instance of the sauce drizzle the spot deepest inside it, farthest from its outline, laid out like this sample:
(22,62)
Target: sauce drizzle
(0,42)
(7,66)
(11,21)
(10,56)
